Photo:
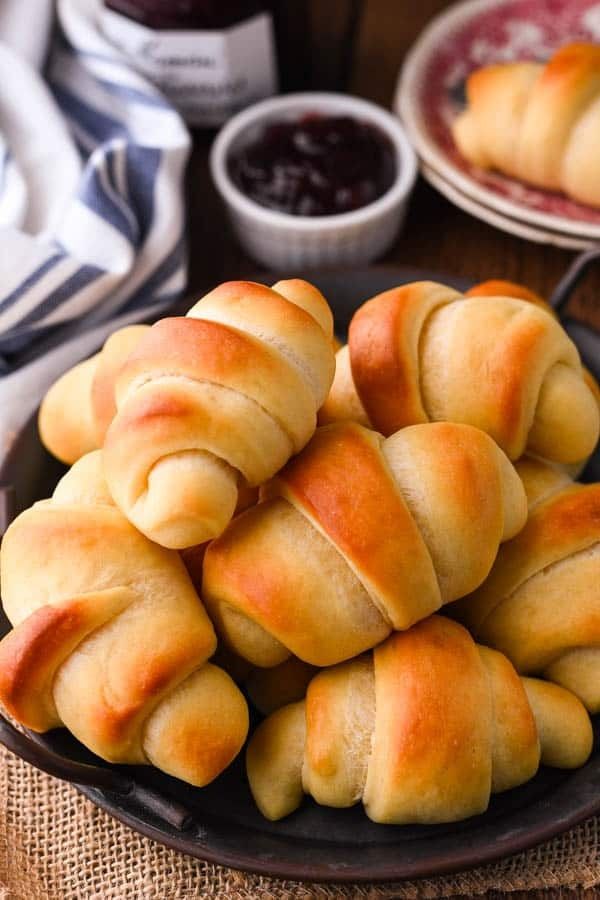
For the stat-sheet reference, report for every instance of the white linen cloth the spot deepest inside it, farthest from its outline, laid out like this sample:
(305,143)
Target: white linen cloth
(91,200)
(91,195)
(25,25)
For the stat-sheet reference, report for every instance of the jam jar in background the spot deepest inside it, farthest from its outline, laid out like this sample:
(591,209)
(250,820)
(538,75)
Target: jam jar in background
(212,58)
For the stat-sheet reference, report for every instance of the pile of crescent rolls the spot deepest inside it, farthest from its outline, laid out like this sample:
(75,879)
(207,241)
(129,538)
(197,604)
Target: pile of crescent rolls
(384,549)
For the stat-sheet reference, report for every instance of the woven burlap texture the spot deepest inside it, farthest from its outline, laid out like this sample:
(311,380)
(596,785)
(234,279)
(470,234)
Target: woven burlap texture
(56,845)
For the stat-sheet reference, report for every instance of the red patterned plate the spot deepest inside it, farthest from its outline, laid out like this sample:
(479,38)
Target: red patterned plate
(430,94)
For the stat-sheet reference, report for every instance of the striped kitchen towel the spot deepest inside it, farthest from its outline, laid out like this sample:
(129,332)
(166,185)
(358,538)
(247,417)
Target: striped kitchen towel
(91,189)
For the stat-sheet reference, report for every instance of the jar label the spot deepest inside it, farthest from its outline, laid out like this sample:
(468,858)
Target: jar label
(207,75)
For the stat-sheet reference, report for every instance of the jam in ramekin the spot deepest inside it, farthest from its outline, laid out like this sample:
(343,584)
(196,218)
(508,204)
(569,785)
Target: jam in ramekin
(315,166)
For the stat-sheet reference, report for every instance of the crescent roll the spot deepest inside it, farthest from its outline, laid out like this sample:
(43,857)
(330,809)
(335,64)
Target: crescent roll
(110,638)
(538,123)
(215,400)
(359,536)
(422,730)
(423,352)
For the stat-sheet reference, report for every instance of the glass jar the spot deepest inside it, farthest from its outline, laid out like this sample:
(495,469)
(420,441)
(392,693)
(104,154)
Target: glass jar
(210,58)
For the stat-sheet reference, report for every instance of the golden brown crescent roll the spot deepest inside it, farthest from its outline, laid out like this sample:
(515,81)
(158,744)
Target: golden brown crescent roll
(540,604)
(110,639)
(538,123)
(79,407)
(422,730)
(221,397)
(423,352)
(360,536)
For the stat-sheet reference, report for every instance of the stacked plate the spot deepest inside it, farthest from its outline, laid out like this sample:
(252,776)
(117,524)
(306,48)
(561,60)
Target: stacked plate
(430,94)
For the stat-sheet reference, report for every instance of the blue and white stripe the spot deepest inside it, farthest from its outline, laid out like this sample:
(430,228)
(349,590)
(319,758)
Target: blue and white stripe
(91,214)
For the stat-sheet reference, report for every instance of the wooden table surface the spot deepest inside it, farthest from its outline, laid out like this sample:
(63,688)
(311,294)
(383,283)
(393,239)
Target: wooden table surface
(436,234)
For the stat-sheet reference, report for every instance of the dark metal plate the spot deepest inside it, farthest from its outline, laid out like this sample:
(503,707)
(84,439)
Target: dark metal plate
(314,843)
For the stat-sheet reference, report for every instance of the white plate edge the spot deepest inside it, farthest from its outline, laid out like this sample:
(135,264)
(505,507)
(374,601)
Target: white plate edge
(504,223)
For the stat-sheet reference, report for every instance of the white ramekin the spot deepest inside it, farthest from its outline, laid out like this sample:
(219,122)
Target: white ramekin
(283,241)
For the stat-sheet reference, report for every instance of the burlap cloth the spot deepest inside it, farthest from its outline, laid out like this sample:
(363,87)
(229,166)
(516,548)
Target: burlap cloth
(56,845)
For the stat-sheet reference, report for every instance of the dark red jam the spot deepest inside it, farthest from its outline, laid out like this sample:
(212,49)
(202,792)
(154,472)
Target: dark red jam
(187,14)
(315,166)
